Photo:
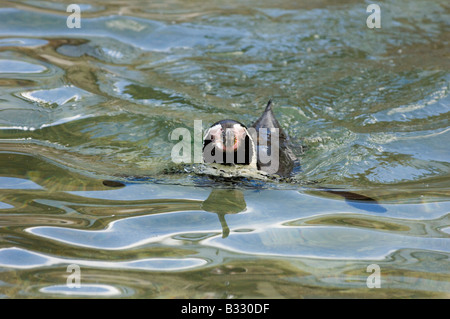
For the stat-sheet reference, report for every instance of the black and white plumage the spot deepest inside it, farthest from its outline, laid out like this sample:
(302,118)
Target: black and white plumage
(229,147)
(229,143)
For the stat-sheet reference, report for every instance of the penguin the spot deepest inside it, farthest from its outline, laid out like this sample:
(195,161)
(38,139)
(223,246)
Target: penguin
(230,147)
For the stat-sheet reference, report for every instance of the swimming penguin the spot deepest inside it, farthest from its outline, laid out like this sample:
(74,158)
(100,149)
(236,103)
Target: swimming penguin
(230,147)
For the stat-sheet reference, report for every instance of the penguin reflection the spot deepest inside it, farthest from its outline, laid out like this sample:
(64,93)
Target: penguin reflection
(223,202)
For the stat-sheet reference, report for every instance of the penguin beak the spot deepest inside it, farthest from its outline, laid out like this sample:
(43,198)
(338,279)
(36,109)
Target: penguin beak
(226,139)
(234,137)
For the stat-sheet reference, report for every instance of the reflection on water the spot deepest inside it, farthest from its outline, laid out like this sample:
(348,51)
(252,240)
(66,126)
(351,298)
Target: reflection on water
(176,237)
(222,202)
(86,176)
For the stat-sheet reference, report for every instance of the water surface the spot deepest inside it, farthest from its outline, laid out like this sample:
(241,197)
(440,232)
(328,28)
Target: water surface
(367,111)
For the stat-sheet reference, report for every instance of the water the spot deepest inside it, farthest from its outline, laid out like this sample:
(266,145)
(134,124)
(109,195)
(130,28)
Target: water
(367,111)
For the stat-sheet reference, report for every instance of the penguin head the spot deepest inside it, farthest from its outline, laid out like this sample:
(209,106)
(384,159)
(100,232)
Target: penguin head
(228,142)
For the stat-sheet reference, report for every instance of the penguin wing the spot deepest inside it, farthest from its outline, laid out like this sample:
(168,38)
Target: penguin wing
(287,158)
(268,120)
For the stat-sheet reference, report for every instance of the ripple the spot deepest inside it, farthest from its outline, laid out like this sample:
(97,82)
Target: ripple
(340,243)
(132,232)
(96,290)
(14,66)
(57,96)
(20,258)
(22,42)
(17,183)
(366,110)
(357,221)
(23,259)
(5,206)
(145,191)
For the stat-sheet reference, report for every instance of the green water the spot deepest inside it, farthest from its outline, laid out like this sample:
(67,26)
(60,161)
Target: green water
(367,111)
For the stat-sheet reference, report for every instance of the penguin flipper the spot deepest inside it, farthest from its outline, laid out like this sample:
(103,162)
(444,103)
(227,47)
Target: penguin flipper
(287,157)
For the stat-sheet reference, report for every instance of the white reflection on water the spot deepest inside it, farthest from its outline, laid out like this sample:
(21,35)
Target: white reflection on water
(95,290)
(262,228)
(334,242)
(14,66)
(5,206)
(132,232)
(20,258)
(17,183)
